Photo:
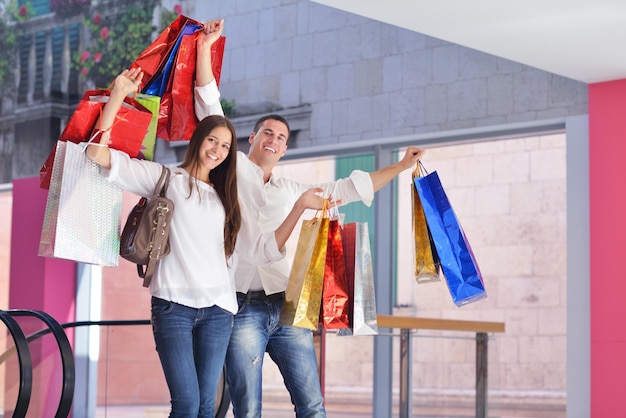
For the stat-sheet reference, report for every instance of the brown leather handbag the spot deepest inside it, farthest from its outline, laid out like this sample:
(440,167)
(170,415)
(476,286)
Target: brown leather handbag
(145,237)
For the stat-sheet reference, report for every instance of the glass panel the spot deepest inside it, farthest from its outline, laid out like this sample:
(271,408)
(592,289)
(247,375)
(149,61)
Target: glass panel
(47,372)
(510,198)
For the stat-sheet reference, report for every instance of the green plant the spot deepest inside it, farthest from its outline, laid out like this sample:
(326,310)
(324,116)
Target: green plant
(228,106)
(10,15)
(167,17)
(116,40)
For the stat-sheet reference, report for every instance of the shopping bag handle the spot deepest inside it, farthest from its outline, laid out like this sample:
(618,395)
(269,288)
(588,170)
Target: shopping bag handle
(324,209)
(420,170)
(336,207)
(100,132)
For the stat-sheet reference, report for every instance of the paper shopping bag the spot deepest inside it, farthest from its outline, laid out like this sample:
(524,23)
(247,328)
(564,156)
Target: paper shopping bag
(154,57)
(152,103)
(178,120)
(425,255)
(335,306)
(174,76)
(82,216)
(458,263)
(303,296)
(127,133)
(360,278)
(159,84)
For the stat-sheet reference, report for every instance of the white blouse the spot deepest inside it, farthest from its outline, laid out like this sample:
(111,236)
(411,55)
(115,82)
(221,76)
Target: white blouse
(195,273)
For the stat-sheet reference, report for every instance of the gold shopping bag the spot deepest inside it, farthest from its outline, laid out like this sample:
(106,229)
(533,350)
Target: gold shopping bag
(303,296)
(426,260)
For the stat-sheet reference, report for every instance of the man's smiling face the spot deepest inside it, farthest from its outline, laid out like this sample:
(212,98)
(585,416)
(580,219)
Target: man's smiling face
(269,143)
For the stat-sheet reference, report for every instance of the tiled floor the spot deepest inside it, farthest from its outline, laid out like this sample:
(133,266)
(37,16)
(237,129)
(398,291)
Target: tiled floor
(351,412)
(354,409)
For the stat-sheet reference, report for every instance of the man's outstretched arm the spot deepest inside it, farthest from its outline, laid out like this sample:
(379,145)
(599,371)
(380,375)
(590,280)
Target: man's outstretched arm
(383,176)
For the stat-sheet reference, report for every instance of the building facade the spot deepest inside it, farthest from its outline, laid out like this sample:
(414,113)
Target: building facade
(496,129)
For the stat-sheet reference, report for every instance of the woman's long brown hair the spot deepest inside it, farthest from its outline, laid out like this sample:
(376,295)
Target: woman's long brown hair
(223,177)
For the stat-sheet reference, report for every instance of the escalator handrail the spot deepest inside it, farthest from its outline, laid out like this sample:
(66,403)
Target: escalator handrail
(75,324)
(67,357)
(25,364)
(224,403)
(223,407)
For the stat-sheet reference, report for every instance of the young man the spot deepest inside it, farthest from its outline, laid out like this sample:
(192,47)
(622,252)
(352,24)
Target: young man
(261,289)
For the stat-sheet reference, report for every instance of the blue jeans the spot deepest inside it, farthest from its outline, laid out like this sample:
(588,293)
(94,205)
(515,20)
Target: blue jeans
(255,331)
(192,346)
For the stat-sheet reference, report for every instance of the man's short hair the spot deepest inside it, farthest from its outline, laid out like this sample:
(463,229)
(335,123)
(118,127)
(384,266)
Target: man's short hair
(279,118)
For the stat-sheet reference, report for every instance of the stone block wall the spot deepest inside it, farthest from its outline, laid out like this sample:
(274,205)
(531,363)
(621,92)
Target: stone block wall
(367,79)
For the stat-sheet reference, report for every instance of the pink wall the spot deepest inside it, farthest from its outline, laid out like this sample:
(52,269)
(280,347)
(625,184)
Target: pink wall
(607,178)
(39,283)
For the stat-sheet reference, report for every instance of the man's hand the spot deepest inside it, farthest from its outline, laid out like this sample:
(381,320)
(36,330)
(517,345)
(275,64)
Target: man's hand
(383,176)
(412,155)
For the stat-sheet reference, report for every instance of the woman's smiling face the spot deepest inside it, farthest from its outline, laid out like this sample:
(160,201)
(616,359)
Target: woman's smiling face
(215,147)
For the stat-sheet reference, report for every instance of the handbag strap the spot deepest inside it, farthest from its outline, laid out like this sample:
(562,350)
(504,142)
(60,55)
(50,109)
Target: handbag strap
(164,180)
(159,239)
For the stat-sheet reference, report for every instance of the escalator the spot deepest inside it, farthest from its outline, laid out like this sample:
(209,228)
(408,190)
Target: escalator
(20,352)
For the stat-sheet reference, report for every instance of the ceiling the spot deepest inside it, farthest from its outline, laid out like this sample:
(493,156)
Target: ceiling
(579,39)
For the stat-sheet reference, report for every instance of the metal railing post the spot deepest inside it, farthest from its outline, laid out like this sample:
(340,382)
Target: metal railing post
(481,374)
(405,372)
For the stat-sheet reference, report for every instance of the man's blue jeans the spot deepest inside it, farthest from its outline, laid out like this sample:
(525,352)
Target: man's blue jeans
(192,346)
(255,331)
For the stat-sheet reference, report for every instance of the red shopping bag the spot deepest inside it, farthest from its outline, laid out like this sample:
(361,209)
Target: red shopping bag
(154,57)
(174,58)
(177,116)
(335,302)
(127,134)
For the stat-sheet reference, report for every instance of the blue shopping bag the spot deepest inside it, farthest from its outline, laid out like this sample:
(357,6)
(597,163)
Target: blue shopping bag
(158,85)
(458,263)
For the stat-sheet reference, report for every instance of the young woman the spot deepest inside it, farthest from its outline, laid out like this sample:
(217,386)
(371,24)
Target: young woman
(192,294)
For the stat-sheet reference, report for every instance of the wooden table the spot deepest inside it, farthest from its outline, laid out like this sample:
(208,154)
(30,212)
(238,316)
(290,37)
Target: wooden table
(406,324)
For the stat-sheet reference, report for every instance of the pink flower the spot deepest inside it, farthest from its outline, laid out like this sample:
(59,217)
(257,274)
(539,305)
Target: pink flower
(104,33)
(97,19)
(97,57)
(178,9)
(84,56)
(84,72)
(23,11)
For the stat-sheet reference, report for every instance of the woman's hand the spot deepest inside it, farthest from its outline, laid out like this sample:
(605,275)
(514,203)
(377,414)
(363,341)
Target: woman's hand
(129,81)
(207,36)
(210,34)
